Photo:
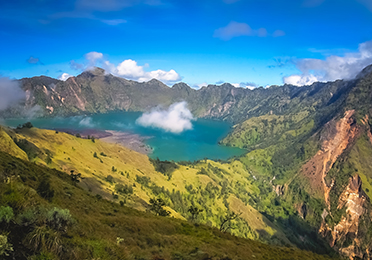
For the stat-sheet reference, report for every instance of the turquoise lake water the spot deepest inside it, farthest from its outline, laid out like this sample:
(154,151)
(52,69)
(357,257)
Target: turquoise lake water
(195,144)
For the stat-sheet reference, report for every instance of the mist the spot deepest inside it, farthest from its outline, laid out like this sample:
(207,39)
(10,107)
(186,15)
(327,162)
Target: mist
(176,119)
(10,93)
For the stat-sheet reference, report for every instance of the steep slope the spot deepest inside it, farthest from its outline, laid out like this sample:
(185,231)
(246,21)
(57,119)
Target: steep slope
(7,145)
(319,163)
(218,188)
(106,166)
(45,216)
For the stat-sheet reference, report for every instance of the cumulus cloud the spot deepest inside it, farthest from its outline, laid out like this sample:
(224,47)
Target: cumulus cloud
(235,29)
(10,93)
(176,119)
(64,76)
(332,67)
(93,57)
(131,70)
(300,80)
(128,69)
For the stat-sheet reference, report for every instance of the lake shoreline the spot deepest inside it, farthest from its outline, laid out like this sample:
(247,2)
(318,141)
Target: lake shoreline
(131,141)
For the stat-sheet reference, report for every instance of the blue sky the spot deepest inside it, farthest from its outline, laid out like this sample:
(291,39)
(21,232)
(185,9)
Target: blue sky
(244,42)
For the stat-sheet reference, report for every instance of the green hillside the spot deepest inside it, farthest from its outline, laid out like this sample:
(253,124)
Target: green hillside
(44,215)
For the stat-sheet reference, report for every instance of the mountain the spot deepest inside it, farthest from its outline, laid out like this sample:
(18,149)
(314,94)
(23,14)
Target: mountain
(319,160)
(97,92)
(305,181)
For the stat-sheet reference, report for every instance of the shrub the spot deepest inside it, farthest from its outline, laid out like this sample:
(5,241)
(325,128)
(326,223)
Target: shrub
(156,205)
(59,219)
(5,246)
(124,189)
(6,214)
(144,180)
(45,190)
(110,179)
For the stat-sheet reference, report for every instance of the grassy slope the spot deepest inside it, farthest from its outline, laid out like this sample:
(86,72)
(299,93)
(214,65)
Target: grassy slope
(71,153)
(7,145)
(98,223)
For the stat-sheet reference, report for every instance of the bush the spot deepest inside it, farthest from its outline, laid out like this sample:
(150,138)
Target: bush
(45,190)
(156,205)
(110,179)
(6,214)
(59,219)
(124,189)
(144,180)
(5,246)
(164,167)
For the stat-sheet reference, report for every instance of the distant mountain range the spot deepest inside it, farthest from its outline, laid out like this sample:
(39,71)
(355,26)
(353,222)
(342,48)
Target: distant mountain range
(95,91)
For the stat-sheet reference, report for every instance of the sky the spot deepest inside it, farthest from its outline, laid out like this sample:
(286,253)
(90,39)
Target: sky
(247,43)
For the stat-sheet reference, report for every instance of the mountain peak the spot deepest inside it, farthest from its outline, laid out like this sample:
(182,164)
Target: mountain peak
(181,85)
(367,70)
(95,71)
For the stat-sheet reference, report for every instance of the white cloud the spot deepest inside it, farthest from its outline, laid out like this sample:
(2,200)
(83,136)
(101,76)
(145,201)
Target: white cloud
(128,69)
(300,80)
(176,119)
(131,70)
(10,93)
(333,67)
(64,76)
(248,85)
(235,29)
(93,57)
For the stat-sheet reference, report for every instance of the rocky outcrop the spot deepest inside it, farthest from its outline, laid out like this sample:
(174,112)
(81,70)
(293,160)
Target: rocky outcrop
(335,137)
(353,199)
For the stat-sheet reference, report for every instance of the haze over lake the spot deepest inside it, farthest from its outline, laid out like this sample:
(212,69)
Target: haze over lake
(197,143)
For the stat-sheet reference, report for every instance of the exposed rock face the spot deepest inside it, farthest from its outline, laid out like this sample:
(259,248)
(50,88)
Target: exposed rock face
(335,138)
(353,199)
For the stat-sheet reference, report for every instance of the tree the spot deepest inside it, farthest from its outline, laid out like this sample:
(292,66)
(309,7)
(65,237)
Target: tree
(226,221)
(194,212)
(156,205)
(93,139)
(75,177)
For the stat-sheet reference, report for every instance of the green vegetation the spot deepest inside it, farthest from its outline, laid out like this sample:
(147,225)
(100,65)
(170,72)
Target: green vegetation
(75,225)
(164,167)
